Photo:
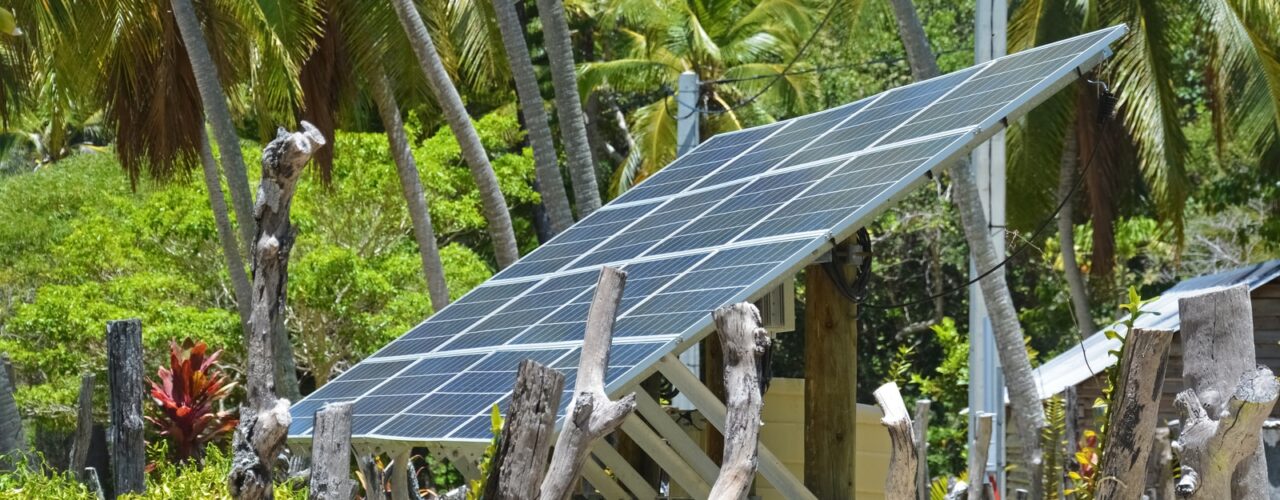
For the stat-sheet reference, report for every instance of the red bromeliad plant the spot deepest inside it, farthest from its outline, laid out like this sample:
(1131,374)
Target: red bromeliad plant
(186,395)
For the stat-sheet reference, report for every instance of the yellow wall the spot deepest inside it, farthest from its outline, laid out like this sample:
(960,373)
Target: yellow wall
(783,434)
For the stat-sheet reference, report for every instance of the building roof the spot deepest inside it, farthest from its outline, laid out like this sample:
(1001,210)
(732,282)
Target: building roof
(1083,361)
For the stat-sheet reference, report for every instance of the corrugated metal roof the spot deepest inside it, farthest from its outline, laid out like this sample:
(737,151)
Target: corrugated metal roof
(1080,363)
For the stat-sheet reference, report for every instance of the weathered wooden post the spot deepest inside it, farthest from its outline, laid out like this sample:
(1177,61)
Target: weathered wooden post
(264,420)
(12,441)
(744,342)
(1135,406)
(523,451)
(920,428)
(978,460)
(124,377)
(1159,467)
(1226,400)
(592,414)
(331,454)
(84,428)
(901,483)
(830,376)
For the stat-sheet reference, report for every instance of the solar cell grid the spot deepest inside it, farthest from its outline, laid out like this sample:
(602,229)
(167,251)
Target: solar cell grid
(739,212)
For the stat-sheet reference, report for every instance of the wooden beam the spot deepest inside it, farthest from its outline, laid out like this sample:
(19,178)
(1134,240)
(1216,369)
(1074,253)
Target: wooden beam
(331,454)
(831,375)
(1135,407)
(680,470)
(675,436)
(630,478)
(770,467)
(606,486)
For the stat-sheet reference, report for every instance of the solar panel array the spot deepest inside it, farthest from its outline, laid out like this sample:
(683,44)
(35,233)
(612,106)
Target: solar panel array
(718,225)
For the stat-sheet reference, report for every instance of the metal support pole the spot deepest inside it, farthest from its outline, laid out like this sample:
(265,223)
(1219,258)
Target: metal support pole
(986,379)
(687,137)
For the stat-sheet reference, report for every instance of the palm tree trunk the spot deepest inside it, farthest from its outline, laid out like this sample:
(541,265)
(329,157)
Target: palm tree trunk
(411,186)
(455,113)
(215,107)
(1028,413)
(546,166)
(1066,236)
(226,236)
(573,128)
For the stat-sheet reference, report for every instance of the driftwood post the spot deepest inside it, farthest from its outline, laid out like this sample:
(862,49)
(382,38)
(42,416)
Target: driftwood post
(744,342)
(523,450)
(264,420)
(84,428)
(1136,405)
(331,454)
(901,483)
(1159,467)
(12,442)
(920,429)
(978,462)
(124,377)
(592,414)
(1226,400)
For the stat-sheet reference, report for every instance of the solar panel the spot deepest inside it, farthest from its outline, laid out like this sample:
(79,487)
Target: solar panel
(721,224)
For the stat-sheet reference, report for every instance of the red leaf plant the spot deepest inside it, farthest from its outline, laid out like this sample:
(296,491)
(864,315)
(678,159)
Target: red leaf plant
(186,395)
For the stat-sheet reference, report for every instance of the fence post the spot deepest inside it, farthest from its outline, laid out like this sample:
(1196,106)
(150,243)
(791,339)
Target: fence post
(524,449)
(84,428)
(124,377)
(331,454)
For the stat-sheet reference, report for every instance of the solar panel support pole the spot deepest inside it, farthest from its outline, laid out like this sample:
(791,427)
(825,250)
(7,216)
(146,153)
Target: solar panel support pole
(986,386)
(687,138)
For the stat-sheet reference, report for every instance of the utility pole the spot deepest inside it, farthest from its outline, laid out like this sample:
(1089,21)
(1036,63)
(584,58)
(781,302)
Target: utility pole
(986,377)
(687,138)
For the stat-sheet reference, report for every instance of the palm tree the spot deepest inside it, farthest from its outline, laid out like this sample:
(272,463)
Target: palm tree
(411,185)
(494,205)
(226,235)
(546,166)
(1024,396)
(745,53)
(573,128)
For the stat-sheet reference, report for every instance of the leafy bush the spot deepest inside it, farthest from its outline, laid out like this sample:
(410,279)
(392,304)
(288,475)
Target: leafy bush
(185,397)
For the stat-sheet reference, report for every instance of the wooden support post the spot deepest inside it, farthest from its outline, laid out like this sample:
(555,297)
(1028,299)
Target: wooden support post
(831,375)
(264,419)
(679,441)
(331,454)
(1135,406)
(1159,467)
(399,473)
(680,470)
(978,460)
(901,481)
(592,414)
(630,478)
(1218,361)
(744,343)
(711,362)
(920,430)
(84,429)
(124,377)
(523,450)
(770,467)
(13,443)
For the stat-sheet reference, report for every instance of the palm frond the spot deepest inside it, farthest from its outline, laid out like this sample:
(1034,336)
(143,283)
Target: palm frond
(1035,148)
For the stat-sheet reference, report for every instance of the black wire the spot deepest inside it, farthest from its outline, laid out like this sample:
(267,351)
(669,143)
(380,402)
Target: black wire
(1011,256)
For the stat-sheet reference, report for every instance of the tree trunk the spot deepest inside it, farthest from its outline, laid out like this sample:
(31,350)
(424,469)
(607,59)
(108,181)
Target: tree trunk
(573,129)
(831,374)
(226,235)
(1067,240)
(219,116)
(904,461)
(1134,410)
(1218,360)
(521,460)
(455,113)
(919,56)
(744,342)
(331,454)
(124,378)
(592,414)
(13,443)
(411,187)
(1023,396)
(546,165)
(84,429)
(264,419)
(978,458)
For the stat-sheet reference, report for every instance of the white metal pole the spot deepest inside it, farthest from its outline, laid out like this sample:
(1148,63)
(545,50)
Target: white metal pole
(687,138)
(986,378)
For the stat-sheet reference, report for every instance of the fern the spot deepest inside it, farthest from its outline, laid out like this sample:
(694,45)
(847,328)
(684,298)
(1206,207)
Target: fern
(1052,439)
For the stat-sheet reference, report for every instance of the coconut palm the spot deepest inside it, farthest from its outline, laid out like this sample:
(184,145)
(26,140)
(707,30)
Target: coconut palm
(546,165)
(494,205)
(746,44)
(573,127)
